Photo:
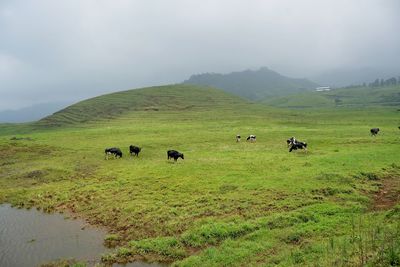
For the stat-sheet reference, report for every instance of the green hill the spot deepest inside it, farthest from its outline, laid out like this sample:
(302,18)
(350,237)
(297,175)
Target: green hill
(253,85)
(179,97)
(344,97)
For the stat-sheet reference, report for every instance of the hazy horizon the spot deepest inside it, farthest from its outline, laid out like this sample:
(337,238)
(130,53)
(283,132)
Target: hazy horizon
(71,50)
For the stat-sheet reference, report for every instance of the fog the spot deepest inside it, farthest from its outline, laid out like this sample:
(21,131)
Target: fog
(71,50)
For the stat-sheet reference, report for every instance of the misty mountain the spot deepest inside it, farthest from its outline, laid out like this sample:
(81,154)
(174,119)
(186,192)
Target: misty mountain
(253,85)
(348,77)
(31,113)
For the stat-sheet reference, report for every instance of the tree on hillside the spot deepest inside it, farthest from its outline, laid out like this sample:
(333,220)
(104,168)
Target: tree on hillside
(375,83)
(391,81)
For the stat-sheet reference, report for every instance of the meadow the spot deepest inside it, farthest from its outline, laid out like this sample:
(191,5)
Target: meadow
(226,203)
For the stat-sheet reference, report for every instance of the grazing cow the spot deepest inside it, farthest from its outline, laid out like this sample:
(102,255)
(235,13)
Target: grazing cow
(251,138)
(237,138)
(113,151)
(174,154)
(134,150)
(298,145)
(290,141)
(374,131)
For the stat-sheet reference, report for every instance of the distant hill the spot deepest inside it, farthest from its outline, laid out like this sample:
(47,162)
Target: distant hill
(344,97)
(253,85)
(180,98)
(32,113)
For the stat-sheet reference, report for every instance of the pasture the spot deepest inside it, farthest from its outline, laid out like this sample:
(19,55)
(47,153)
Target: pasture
(226,203)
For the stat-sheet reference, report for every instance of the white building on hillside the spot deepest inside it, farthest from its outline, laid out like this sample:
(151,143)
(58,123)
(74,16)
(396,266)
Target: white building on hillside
(322,88)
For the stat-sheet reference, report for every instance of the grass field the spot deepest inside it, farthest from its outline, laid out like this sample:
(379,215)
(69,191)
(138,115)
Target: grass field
(227,203)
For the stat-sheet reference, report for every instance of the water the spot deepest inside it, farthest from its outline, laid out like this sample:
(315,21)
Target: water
(30,238)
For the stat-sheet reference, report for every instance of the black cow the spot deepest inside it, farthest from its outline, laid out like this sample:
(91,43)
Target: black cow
(251,138)
(298,145)
(113,151)
(374,131)
(134,150)
(174,154)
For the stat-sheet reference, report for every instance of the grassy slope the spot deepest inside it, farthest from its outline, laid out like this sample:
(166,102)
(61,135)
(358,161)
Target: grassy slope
(161,98)
(227,203)
(358,97)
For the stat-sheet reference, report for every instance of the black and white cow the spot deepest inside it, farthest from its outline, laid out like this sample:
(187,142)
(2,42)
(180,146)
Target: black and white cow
(174,154)
(251,138)
(290,141)
(113,151)
(374,131)
(134,150)
(237,138)
(298,145)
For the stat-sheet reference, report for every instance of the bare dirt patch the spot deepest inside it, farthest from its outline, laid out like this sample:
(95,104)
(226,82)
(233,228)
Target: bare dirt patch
(388,194)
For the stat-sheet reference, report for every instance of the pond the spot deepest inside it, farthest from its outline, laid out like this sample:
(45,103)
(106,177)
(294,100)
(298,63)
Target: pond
(31,237)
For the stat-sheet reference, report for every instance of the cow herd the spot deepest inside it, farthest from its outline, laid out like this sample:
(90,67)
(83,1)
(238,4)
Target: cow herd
(251,138)
(292,144)
(135,150)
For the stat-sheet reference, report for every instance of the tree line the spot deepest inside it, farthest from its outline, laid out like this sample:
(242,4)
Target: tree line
(382,82)
(378,83)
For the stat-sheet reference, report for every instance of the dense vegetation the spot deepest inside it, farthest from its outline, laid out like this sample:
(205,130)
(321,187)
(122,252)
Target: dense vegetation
(227,203)
(254,85)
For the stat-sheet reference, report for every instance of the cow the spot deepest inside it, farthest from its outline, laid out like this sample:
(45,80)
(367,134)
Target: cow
(113,151)
(174,154)
(298,145)
(290,141)
(251,138)
(134,150)
(237,138)
(374,131)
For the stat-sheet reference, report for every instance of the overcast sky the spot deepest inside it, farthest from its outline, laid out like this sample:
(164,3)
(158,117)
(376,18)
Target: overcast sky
(74,49)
